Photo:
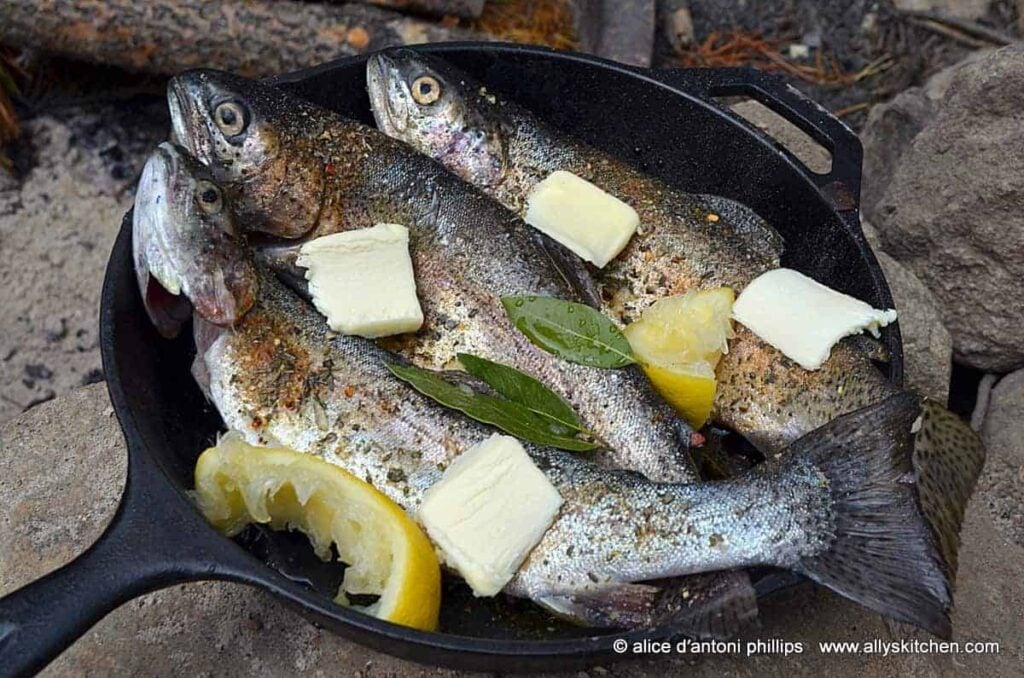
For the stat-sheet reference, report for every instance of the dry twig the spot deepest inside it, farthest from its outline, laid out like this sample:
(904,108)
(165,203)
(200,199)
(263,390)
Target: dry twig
(737,48)
(9,127)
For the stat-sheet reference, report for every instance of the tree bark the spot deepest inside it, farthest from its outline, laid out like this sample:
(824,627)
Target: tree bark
(255,38)
(466,9)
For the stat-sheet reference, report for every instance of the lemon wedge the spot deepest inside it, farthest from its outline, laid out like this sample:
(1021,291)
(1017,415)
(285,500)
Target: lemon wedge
(387,553)
(678,342)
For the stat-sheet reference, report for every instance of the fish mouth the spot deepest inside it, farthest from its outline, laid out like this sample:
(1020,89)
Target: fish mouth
(159,286)
(187,123)
(381,79)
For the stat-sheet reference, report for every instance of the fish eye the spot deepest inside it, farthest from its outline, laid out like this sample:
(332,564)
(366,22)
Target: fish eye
(211,200)
(426,90)
(230,118)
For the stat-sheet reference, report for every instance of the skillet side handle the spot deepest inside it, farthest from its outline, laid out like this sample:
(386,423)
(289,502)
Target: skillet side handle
(842,183)
(136,554)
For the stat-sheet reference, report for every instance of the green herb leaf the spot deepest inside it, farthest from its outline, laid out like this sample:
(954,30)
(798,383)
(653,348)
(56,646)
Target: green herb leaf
(523,389)
(510,417)
(571,331)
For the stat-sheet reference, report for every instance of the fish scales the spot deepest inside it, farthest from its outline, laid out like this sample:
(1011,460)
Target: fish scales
(319,174)
(684,242)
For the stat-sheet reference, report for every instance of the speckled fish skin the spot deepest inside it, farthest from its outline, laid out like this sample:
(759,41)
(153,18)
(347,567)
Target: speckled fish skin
(280,378)
(301,171)
(174,263)
(772,401)
(841,508)
(506,150)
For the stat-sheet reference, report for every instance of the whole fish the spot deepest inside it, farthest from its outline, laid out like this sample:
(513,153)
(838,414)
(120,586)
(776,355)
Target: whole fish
(840,507)
(298,171)
(505,150)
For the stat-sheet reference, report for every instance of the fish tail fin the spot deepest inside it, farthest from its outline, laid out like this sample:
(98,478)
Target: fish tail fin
(948,458)
(713,605)
(879,549)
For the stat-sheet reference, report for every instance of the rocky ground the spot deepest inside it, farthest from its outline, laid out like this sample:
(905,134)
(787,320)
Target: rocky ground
(943,186)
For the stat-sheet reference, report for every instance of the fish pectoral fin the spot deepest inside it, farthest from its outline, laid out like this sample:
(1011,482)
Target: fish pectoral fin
(572,269)
(282,257)
(714,605)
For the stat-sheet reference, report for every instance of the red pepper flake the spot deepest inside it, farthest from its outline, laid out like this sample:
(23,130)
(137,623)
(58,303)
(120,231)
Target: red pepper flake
(697,439)
(330,169)
(349,391)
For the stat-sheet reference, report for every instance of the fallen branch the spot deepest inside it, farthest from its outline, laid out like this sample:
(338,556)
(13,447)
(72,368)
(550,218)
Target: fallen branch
(967,32)
(464,9)
(251,37)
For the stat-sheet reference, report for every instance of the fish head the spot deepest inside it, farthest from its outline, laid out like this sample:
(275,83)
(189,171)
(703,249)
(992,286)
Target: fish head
(186,247)
(225,121)
(440,111)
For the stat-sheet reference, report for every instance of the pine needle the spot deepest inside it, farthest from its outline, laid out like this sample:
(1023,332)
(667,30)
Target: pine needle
(536,22)
(738,48)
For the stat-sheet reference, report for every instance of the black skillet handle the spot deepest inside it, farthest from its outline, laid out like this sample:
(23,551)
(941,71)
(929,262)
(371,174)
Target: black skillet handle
(147,546)
(842,183)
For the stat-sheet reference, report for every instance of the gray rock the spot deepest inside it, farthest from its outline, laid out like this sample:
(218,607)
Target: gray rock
(927,345)
(951,212)
(679,30)
(893,125)
(1001,488)
(62,467)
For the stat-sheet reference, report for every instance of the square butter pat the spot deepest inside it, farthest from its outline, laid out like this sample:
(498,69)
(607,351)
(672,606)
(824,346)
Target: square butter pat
(363,281)
(489,510)
(593,224)
(803,318)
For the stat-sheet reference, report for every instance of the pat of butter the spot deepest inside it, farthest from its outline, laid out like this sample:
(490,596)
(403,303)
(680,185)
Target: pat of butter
(576,213)
(363,281)
(803,318)
(490,509)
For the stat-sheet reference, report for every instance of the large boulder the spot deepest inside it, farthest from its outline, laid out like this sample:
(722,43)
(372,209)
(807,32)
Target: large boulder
(1001,488)
(893,125)
(952,210)
(927,345)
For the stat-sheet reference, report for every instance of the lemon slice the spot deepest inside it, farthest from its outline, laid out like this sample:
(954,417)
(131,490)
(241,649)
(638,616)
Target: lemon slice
(678,342)
(386,552)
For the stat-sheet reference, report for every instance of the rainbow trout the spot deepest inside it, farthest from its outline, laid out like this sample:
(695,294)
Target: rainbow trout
(505,150)
(295,171)
(840,507)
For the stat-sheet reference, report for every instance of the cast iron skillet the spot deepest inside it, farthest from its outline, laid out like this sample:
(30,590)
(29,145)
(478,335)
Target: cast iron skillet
(666,122)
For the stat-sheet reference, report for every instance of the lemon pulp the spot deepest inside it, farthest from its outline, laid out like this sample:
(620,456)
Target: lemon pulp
(386,552)
(678,342)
